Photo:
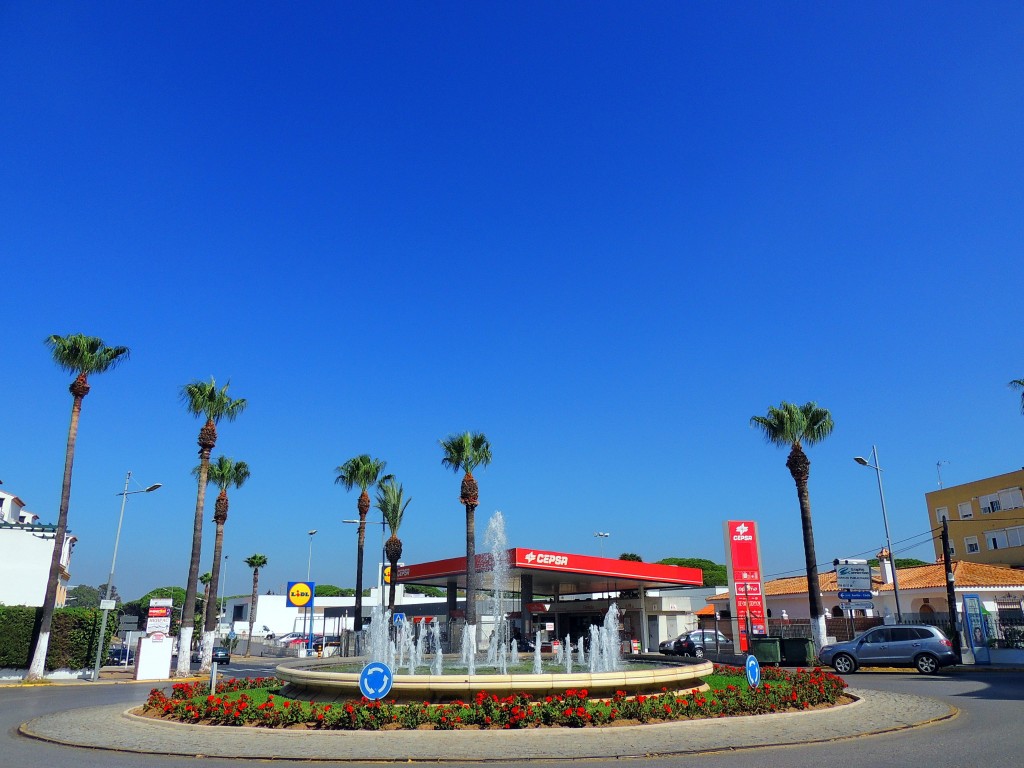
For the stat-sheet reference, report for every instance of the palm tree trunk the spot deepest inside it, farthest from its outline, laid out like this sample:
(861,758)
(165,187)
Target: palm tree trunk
(206,446)
(252,606)
(471,565)
(391,587)
(800,468)
(212,609)
(37,667)
(364,508)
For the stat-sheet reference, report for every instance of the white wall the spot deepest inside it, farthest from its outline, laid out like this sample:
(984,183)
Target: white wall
(24,566)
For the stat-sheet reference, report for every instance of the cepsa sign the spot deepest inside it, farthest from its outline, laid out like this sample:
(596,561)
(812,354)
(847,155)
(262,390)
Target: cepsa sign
(743,561)
(300,593)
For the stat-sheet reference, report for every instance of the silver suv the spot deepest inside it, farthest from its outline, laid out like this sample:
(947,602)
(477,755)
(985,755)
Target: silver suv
(904,645)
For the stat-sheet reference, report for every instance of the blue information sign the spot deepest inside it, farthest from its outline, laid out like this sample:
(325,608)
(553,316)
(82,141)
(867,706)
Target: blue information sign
(753,672)
(375,680)
(854,594)
(399,619)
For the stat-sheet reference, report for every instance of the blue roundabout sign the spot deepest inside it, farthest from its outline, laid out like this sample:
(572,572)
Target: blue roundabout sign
(753,672)
(375,680)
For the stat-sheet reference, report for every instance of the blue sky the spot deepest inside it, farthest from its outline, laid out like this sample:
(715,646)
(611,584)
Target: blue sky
(604,235)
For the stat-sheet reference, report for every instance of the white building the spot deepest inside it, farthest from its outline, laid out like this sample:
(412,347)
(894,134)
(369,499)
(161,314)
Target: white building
(26,548)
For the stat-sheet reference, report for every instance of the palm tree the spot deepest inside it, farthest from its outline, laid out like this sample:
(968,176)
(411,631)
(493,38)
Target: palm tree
(201,399)
(1019,384)
(205,580)
(365,472)
(80,356)
(223,473)
(465,452)
(793,426)
(392,506)
(255,562)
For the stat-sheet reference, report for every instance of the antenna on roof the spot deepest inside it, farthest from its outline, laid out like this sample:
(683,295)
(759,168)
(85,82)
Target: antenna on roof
(938,470)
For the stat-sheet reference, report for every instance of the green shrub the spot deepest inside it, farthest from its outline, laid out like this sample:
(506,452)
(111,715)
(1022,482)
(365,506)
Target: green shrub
(73,635)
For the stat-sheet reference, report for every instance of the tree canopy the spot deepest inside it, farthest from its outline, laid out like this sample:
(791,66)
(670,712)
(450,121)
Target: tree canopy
(715,574)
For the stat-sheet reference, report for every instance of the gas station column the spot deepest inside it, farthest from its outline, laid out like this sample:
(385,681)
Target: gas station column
(525,598)
(453,597)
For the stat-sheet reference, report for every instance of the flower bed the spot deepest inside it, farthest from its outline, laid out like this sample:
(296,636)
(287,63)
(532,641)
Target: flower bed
(230,704)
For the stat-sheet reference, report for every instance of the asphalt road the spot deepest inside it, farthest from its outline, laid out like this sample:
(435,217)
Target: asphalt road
(987,733)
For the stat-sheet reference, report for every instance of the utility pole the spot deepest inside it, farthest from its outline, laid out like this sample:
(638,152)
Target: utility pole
(950,589)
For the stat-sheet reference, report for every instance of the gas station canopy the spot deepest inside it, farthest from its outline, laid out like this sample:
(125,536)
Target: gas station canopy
(554,573)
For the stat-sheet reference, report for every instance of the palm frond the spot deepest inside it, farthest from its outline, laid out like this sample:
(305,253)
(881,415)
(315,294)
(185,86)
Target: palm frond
(791,424)
(362,471)
(256,561)
(465,451)
(1018,384)
(202,398)
(224,472)
(78,353)
(392,504)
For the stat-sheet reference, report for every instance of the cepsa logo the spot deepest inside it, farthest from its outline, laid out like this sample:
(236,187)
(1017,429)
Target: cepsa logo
(741,533)
(545,558)
(299,594)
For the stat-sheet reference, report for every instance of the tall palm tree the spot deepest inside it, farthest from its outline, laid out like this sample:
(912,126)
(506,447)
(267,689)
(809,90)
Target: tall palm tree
(1019,384)
(201,398)
(392,506)
(80,356)
(364,472)
(793,426)
(463,453)
(255,562)
(224,472)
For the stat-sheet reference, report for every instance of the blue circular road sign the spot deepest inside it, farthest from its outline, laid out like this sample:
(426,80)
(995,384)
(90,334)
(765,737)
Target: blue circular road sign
(753,672)
(375,680)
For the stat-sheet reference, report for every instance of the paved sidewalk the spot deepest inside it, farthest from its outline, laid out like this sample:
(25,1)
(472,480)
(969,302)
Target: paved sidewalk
(112,728)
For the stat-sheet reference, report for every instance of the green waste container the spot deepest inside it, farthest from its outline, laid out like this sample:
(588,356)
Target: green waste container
(798,651)
(767,650)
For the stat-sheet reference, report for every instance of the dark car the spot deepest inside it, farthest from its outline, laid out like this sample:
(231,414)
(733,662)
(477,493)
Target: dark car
(221,655)
(120,655)
(906,645)
(695,643)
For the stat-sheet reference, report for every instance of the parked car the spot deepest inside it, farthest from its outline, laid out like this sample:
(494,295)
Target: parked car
(220,654)
(304,639)
(906,645)
(695,643)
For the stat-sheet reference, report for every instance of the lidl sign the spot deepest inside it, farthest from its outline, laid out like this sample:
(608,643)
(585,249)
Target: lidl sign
(300,593)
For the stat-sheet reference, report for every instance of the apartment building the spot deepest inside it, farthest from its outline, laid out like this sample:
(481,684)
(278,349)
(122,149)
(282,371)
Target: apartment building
(986,519)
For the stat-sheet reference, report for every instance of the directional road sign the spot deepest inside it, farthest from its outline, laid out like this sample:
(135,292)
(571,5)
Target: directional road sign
(855,594)
(375,680)
(753,671)
(857,605)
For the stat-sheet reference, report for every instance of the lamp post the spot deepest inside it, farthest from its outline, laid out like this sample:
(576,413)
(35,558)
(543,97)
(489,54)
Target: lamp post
(309,562)
(305,612)
(601,536)
(885,520)
(383,556)
(110,579)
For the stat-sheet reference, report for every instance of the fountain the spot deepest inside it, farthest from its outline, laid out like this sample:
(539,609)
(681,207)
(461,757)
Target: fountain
(602,671)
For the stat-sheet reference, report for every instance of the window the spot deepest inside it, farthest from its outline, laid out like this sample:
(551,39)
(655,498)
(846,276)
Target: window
(996,539)
(1011,498)
(971,543)
(1015,536)
(965,509)
(941,513)
(989,503)
(952,549)
(877,636)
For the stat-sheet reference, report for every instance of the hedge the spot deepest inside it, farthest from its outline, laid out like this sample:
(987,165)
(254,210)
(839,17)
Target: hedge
(73,633)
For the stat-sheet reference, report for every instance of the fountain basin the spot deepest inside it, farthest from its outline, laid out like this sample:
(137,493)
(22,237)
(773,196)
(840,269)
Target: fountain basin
(304,680)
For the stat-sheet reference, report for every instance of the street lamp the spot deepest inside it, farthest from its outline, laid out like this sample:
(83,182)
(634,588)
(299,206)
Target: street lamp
(309,563)
(383,556)
(601,535)
(110,579)
(885,520)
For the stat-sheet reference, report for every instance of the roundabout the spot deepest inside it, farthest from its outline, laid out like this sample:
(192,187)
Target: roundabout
(116,729)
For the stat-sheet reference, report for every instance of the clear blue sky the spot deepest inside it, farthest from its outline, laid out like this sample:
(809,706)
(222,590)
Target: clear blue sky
(605,235)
